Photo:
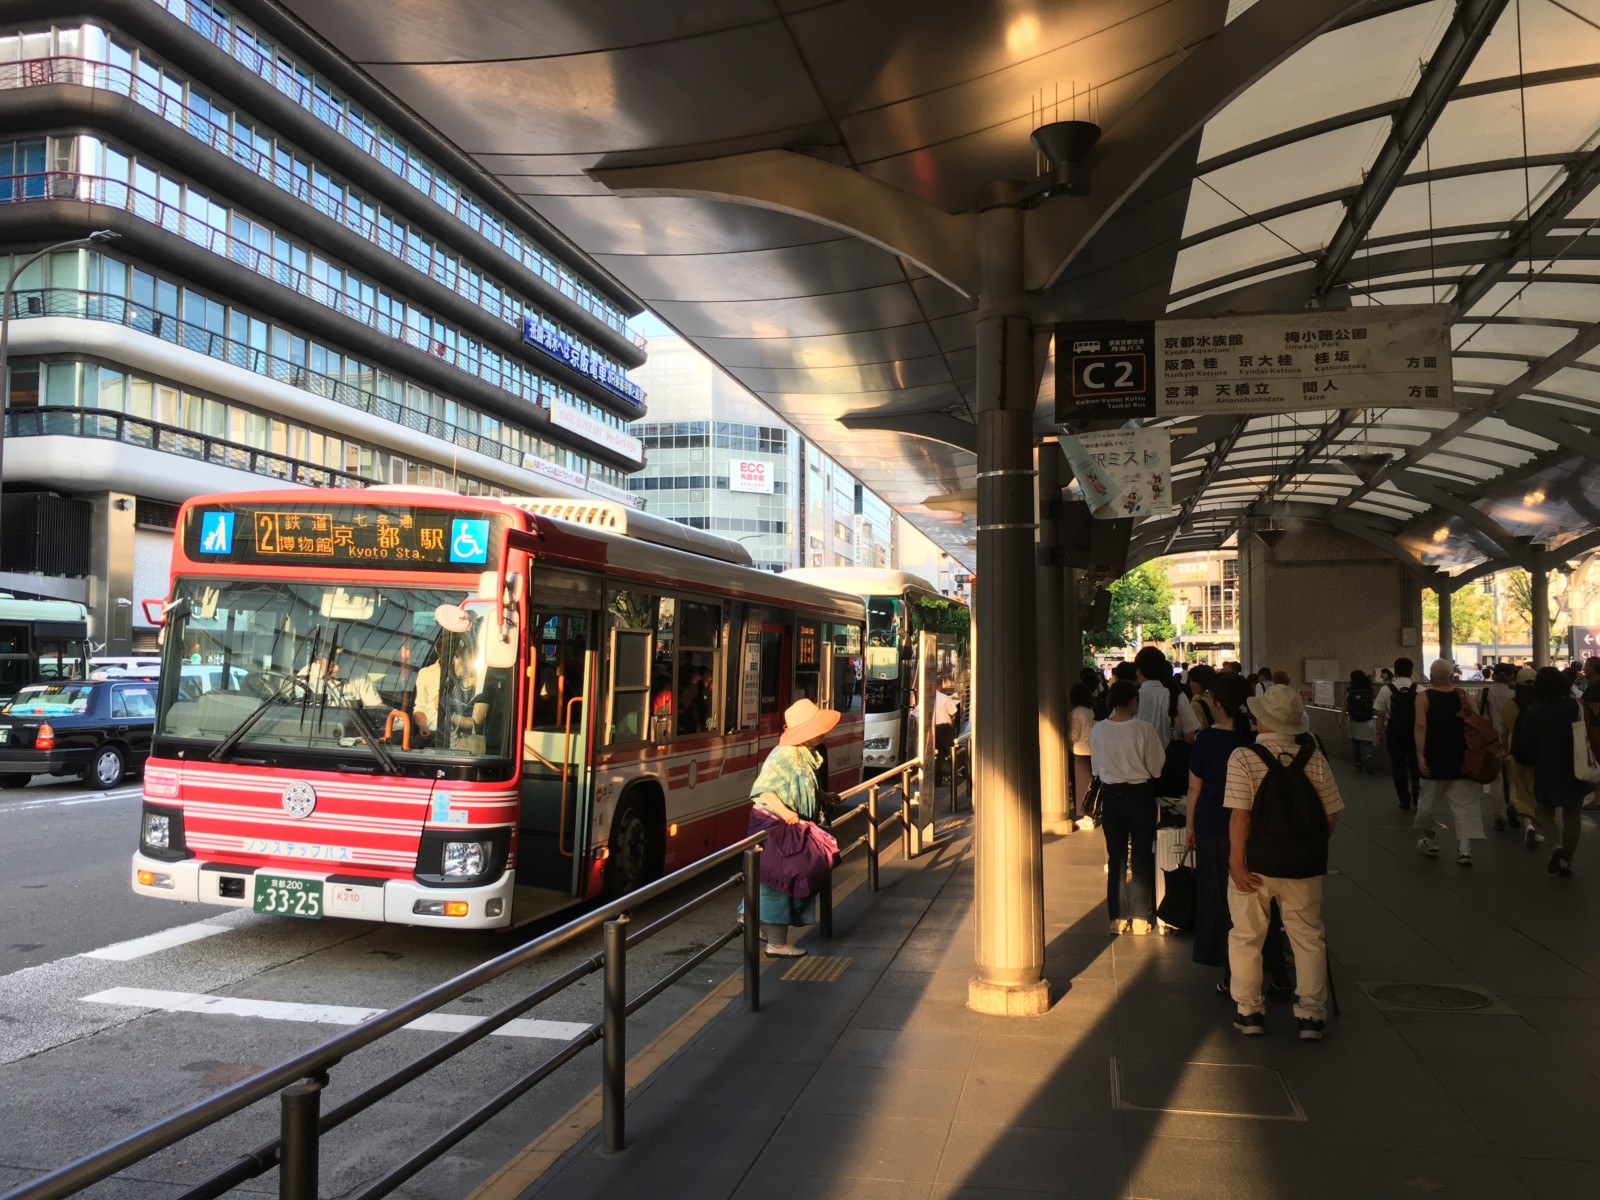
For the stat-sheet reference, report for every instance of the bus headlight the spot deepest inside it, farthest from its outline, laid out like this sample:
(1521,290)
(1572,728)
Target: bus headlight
(157,831)
(465,858)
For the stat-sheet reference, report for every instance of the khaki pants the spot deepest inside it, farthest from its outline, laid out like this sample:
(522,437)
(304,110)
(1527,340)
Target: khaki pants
(1300,902)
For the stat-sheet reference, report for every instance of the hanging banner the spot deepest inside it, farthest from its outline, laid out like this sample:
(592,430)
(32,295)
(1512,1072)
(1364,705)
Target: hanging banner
(1122,472)
(1394,356)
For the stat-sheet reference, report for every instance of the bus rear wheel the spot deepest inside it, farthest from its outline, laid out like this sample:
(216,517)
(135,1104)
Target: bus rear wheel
(634,857)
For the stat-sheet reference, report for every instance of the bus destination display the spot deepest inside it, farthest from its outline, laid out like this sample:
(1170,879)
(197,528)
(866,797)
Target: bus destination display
(377,537)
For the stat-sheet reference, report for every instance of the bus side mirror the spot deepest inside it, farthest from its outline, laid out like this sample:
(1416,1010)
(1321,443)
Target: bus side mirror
(155,611)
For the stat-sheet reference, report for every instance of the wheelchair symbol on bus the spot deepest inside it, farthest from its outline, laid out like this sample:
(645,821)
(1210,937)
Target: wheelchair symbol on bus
(469,541)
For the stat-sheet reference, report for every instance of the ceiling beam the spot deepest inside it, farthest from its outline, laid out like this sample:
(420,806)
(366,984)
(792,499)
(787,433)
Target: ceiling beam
(1500,399)
(1501,540)
(1574,189)
(1345,523)
(935,427)
(1174,109)
(1468,30)
(1219,458)
(942,244)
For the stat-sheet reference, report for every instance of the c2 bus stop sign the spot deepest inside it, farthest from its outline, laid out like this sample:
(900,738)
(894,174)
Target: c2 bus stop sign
(1108,370)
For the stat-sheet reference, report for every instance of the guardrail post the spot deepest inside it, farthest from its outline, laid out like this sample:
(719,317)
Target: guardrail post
(299,1111)
(752,929)
(872,838)
(614,1032)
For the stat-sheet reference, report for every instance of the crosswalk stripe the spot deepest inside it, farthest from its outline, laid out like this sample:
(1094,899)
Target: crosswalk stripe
(322,1014)
(165,939)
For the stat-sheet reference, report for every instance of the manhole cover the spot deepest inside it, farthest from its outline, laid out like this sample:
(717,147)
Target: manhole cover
(1437,997)
(818,968)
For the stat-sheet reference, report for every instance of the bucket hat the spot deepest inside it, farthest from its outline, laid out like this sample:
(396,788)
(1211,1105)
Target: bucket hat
(1281,709)
(804,721)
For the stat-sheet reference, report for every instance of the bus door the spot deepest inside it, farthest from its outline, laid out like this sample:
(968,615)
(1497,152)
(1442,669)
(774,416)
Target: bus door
(554,822)
(776,667)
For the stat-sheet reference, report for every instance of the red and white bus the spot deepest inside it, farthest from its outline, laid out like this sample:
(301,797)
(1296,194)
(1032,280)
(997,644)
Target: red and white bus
(440,710)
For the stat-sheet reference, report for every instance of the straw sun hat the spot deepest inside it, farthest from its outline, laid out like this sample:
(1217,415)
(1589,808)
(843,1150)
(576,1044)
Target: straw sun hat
(803,721)
(1281,709)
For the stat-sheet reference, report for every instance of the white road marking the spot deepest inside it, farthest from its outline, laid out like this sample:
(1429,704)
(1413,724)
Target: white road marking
(63,799)
(138,947)
(322,1014)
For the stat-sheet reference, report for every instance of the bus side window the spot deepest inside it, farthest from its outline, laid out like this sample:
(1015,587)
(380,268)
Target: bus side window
(641,680)
(846,641)
(699,627)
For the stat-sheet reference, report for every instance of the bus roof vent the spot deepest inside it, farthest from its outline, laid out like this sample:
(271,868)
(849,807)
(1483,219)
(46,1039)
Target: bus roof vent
(596,514)
(618,519)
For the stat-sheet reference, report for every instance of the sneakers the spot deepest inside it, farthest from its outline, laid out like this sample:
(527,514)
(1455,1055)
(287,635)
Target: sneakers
(1140,927)
(1118,927)
(1428,846)
(1500,824)
(1250,1024)
(1530,836)
(1464,859)
(1311,1029)
(1564,867)
(1554,864)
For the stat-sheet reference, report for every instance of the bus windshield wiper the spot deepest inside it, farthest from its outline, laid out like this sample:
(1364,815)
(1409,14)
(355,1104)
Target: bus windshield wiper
(370,736)
(226,745)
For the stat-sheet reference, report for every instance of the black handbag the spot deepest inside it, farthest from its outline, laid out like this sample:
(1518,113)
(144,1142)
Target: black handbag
(1182,896)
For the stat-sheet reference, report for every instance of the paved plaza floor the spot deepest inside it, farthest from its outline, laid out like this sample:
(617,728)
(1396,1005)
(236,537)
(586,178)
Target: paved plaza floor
(882,1085)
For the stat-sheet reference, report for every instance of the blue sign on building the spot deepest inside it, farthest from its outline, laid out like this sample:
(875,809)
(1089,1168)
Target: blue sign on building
(580,359)
(216,533)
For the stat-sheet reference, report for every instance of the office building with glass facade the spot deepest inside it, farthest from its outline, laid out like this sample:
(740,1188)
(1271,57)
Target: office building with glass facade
(307,287)
(720,459)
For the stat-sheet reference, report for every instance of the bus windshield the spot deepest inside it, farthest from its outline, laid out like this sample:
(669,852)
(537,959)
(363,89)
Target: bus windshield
(331,668)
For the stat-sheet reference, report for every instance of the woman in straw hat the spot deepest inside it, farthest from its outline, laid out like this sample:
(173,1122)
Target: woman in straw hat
(786,802)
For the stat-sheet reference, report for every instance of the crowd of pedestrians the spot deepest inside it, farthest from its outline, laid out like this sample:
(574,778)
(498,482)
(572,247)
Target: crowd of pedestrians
(1231,755)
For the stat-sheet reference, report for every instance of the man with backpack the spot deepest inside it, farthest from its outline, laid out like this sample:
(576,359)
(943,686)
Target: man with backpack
(1396,712)
(1283,804)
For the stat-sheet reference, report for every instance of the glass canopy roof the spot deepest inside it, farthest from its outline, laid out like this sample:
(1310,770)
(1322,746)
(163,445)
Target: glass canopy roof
(1412,152)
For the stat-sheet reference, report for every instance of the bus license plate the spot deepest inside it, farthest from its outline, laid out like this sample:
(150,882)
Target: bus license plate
(5,736)
(286,896)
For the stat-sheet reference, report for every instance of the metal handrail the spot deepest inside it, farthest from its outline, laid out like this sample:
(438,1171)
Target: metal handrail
(299,1080)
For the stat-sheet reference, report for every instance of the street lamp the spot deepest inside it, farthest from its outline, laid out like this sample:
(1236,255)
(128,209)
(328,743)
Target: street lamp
(99,235)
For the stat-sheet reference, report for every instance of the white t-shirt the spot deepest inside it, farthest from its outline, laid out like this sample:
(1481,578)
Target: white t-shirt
(1125,752)
(944,709)
(1155,704)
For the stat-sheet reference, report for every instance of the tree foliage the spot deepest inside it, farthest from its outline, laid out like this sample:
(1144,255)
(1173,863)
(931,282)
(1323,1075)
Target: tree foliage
(1471,615)
(1140,603)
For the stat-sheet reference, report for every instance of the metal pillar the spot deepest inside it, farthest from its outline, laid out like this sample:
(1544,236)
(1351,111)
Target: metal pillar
(1540,617)
(1447,641)
(1054,684)
(1009,898)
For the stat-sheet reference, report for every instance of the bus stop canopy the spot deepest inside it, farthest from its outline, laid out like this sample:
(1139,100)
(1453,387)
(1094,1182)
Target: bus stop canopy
(1255,156)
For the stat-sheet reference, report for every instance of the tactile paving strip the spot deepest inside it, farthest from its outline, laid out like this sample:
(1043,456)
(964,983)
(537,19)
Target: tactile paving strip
(818,968)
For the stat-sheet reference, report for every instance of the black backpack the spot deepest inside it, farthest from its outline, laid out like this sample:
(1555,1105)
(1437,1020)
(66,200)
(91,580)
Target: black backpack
(1288,826)
(1360,704)
(1402,714)
(1174,777)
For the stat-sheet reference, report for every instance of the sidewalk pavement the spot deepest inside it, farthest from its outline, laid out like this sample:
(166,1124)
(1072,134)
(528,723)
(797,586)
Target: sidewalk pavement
(882,1085)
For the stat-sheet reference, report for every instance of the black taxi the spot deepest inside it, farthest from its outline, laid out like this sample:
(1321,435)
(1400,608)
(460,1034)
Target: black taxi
(97,730)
